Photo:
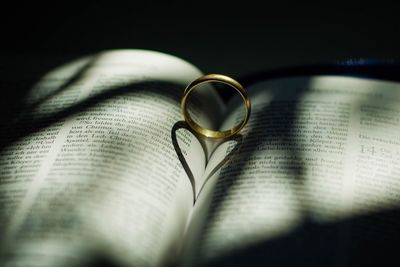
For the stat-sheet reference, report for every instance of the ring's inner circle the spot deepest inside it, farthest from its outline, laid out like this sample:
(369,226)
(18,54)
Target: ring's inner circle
(202,110)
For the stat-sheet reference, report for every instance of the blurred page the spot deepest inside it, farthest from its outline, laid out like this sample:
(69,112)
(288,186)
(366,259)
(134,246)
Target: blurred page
(317,151)
(88,171)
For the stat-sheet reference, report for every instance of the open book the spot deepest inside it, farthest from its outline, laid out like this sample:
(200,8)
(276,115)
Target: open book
(97,169)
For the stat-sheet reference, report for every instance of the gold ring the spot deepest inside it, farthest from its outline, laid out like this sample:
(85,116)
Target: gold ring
(221,79)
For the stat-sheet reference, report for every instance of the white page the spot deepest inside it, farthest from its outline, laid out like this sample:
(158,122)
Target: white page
(321,149)
(103,182)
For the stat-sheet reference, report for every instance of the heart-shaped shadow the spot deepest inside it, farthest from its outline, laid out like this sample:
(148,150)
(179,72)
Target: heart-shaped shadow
(211,144)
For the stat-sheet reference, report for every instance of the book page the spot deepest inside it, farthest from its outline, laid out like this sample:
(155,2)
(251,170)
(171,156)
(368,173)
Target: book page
(88,171)
(315,180)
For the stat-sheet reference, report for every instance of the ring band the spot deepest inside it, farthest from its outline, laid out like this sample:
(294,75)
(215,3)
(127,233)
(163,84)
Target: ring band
(221,79)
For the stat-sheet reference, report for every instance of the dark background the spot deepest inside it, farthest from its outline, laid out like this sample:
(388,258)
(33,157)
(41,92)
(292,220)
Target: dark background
(235,38)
